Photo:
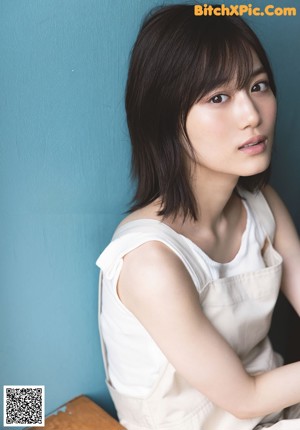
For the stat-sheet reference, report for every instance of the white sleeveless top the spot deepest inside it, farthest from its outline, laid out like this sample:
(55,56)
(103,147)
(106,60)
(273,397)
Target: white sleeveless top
(142,361)
(237,297)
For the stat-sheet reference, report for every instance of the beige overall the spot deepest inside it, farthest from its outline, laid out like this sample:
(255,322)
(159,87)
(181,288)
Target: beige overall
(240,307)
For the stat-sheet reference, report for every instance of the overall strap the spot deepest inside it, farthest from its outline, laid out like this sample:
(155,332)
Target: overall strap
(262,212)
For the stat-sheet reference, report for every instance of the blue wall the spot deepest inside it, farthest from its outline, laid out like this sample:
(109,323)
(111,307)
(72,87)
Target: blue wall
(64,165)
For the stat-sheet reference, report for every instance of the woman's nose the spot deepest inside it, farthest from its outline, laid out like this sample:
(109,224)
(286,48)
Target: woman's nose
(247,111)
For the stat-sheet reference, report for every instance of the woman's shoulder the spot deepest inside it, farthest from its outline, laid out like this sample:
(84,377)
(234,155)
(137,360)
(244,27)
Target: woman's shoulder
(144,239)
(142,235)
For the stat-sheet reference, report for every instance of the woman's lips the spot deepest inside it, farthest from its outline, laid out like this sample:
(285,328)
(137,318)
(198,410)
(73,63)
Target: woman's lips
(253,141)
(254,145)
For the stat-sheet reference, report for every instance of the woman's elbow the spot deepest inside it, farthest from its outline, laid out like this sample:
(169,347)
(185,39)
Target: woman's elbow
(246,408)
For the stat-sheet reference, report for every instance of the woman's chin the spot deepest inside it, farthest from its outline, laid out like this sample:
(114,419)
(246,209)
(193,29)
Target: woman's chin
(256,168)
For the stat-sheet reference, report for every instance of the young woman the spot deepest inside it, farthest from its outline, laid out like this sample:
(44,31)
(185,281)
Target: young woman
(189,282)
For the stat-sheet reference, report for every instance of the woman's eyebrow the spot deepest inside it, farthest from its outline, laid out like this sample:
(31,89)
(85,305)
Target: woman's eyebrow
(258,71)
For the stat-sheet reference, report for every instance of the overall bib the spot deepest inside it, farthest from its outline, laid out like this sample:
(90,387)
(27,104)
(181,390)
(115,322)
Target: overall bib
(240,308)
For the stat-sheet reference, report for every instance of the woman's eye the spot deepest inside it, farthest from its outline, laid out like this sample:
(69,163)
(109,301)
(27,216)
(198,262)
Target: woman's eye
(260,86)
(219,98)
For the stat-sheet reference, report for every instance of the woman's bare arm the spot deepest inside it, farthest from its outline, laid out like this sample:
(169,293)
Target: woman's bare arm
(288,245)
(156,287)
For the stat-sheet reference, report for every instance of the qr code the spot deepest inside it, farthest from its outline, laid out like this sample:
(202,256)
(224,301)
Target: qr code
(24,405)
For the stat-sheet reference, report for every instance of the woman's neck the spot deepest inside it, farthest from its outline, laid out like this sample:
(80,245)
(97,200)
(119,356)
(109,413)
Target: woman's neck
(213,194)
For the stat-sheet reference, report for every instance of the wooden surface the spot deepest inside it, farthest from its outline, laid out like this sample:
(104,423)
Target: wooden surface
(80,413)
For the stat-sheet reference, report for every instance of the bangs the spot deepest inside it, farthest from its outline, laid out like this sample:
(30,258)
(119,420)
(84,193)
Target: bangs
(224,60)
(230,64)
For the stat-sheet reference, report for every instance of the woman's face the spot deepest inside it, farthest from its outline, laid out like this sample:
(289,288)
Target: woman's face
(232,130)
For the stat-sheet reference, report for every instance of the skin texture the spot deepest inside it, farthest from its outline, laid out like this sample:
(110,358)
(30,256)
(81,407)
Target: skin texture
(168,305)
